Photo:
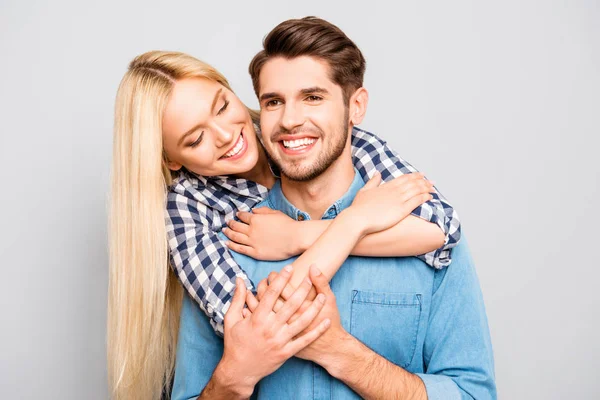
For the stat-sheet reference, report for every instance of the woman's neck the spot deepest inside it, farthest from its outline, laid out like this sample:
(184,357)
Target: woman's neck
(261,173)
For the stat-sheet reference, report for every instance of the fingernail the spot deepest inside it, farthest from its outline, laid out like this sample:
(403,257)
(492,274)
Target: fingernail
(327,322)
(316,271)
(288,268)
(321,298)
(306,280)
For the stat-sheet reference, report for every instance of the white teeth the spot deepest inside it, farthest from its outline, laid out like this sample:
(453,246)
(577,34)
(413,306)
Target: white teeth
(298,143)
(238,147)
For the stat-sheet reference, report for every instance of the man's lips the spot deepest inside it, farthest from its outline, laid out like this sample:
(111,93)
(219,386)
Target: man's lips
(294,145)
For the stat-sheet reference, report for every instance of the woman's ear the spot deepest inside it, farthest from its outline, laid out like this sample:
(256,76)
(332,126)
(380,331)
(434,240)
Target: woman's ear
(358,105)
(172,165)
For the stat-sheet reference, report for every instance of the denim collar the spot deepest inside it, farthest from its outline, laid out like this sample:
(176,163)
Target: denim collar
(277,201)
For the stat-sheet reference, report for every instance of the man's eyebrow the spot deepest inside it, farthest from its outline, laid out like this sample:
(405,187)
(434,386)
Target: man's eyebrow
(195,128)
(310,90)
(267,96)
(314,89)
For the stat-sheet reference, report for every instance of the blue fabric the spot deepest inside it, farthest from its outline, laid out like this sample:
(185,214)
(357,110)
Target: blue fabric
(199,207)
(430,322)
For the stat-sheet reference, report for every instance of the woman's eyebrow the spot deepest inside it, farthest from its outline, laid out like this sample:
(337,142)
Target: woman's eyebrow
(195,128)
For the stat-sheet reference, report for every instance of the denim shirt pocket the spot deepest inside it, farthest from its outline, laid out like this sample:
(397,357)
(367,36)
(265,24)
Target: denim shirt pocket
(388,323)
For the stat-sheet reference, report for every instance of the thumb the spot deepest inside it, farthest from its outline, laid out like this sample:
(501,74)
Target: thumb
(234,314)
(263,210)
(319,280)
(373,182)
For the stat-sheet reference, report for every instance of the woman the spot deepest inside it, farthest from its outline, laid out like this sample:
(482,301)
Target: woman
(173,145)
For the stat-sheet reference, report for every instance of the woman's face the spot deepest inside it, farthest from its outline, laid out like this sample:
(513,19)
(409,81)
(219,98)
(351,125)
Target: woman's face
(208,130)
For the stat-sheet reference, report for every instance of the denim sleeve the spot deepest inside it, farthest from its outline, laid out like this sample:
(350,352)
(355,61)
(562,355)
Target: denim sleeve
(459,362)
(370,154)
(199,351)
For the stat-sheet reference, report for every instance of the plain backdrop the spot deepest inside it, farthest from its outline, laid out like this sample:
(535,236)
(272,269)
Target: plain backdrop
(498,102)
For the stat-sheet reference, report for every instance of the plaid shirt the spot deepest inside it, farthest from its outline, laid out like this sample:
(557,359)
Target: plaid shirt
(199,207)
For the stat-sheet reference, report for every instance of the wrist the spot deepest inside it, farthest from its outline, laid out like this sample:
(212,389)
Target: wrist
(230,383)
(357,222)
(341,357)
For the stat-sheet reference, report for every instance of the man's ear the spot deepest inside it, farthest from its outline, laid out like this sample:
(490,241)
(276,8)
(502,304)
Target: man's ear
(358,105)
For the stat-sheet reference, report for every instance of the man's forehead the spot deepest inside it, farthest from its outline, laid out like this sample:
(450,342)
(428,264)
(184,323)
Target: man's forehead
(281,74)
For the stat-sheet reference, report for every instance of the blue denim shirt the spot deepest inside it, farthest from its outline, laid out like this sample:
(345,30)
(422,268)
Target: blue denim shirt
(429,322)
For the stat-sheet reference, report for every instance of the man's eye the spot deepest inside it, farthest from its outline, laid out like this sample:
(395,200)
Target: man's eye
(313,98)
(272,103)
(223,108)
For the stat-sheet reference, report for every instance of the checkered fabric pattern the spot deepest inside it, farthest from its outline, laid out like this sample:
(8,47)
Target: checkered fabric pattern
(199,207)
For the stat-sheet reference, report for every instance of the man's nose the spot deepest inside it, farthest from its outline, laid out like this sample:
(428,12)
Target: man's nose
(292,117)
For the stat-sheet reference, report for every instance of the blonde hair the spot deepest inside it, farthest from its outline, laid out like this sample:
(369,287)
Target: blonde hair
(144,297)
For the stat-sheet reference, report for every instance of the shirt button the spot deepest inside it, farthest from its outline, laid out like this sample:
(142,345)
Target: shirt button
(300,217)
(210,309)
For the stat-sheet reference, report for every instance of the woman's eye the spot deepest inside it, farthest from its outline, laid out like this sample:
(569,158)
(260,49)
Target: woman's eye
(197,141)
(223,108)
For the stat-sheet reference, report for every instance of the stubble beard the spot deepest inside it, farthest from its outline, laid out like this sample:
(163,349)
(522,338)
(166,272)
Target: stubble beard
(325,159)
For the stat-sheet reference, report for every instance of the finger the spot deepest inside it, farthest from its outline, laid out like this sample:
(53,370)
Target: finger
(300,343)
(306,318)
(294,302)
(414,192)
(238,226)
(278,305)
(251,301)
(320,281)
(242,249)
(301,310)
(288,290)
(406,179)
(271,277)
(373,182)
(273,292)
(416,201)
(246,313)
(264,210)
(244,216)
(237,236)
(234,314)
(261,289)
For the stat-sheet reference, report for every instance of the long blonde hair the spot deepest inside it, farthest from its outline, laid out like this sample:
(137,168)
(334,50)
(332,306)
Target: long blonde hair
(144,297)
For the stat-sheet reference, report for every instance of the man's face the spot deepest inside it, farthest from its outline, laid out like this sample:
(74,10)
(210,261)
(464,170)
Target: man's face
(303,117)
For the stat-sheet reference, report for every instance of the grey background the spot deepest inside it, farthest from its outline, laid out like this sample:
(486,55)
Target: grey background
(498,102)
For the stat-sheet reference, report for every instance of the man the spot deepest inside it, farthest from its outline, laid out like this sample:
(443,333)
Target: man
(387,327)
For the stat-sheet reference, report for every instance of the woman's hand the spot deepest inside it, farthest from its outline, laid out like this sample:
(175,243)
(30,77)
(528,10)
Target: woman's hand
(264,234)
(380,206)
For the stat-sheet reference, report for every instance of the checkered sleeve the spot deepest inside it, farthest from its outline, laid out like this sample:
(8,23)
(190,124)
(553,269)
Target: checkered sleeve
(371,154)
(199,257)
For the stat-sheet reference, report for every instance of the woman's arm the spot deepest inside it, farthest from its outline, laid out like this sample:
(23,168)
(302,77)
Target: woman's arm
(371,154)
(200,258)
(338,239)
(410,237)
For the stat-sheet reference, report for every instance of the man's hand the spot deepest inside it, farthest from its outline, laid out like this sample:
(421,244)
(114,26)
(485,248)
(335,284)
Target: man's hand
(264,234)
(324,347)
(258,343)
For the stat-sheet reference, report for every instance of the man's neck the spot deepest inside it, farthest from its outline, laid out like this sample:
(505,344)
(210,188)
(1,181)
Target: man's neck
(318,194)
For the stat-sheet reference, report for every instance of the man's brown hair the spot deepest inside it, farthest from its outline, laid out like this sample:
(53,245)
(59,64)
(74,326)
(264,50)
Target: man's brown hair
(314,37)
